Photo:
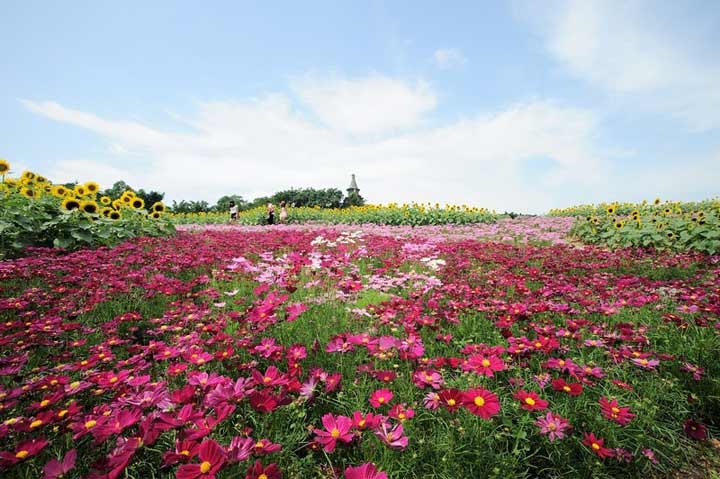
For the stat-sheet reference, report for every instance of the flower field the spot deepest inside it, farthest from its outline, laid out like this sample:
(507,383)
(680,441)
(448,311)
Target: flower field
(360,352)
(392,214)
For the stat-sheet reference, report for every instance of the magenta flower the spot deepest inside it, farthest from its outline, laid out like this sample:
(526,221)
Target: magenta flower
(365,471)
(381,397)
(55,469)
(428,378)
(553,425)
(336,429)
(392,436)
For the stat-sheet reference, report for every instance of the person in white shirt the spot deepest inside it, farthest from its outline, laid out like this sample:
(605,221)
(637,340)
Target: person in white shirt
(233,211)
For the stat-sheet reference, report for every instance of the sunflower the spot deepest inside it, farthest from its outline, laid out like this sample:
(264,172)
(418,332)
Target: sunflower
(155,215)
(28,192)
(670,235)
(80,190)
(117,204)
(114,215)
(619,224)
(29,175)
(4,166)
(89,206)
(126,198)
(71,203)
(92,187)
(610,210)
(158,206)
(47,188)
(105,200)
(137,203)
(106,211)
(668,211)
(657,201)
(130,193)
(40,179)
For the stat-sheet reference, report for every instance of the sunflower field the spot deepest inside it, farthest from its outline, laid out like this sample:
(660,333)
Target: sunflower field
(34,213)
(660,225)
(413,214)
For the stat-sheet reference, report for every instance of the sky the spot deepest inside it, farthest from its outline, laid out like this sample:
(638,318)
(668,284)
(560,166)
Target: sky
(514,106)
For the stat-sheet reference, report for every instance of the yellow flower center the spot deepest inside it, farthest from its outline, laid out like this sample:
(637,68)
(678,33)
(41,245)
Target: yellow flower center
(22,454)
(530,401)
(335,433)
(44,403)
(267,379)
(262,476)
(74,384)
(259,445)
(35,423)
(615,410)
(361,423)
(184,452)
(479,401)
(552,426)
(566,389)
(381,399)
(401,415)
(205,467)
(485,363)
(62,413)
(561,362)
(451,402)
(91,423)
(595,446)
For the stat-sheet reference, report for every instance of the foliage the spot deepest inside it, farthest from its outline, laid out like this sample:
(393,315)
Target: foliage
(310,197)
(223,204)
(669,226)
(353,199)
(119,187)
(190,207)
(36,213)
(392,214)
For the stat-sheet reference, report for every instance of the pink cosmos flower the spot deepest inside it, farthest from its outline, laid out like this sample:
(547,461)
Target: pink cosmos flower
(365,471)
(481,402)
(258,471)
(484,365)
(643,363)
(427,378)
(336,429)
(381,397)
(553,425)
(55,469)
(392,436)
(23,451)
(431,400)
(367,421)
(596,445)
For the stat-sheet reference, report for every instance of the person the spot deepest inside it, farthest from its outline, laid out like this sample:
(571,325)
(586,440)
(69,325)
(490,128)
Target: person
(283,212)
(233,211)
(270,214)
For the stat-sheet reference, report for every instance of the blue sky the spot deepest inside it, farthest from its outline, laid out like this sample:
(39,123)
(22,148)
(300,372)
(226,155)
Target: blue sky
(519,106)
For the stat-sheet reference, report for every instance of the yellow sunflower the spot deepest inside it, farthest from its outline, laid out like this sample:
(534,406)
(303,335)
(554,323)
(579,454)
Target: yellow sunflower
(4,166)
(657,201)
(619,224)
(71,203)
(105,200)
(80,190)
(92,187)
(106,211)
(155,214)
(89,206)
(28,192)
(610,210)
(137,203)
(158,206)
(28,175)
(130,193)
(114,215)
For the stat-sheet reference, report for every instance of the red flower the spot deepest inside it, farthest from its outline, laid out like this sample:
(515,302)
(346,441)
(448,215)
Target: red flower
(611,410)
(257,471)
(23,451)
(212,458)
(451,399)
(530,401)
(695,430)
(484,365)
(481,402)
(573,389)
(597,445)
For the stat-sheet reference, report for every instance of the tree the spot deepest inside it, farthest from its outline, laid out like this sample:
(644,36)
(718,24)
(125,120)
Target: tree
(353,199)
(223,204)
(190,207)
(119,187)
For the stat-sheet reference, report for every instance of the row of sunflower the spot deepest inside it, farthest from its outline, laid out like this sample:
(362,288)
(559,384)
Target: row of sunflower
(35,212)
(688,226)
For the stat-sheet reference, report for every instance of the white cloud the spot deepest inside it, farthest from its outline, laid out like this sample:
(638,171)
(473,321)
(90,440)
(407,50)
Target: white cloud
(375,104)
(258,146)
(447,58)
(630,48)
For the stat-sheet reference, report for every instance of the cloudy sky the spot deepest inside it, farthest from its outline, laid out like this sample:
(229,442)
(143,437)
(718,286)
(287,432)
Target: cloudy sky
(519,106)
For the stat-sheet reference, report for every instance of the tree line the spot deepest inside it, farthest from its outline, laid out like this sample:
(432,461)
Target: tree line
(294,197)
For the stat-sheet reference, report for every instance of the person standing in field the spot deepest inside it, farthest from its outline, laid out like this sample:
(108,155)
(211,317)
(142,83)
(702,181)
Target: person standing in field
(270,214)
(233,211)
(283,212)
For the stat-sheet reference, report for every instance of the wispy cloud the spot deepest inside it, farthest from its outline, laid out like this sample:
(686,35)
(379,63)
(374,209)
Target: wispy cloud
(624,48)
(448,58)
